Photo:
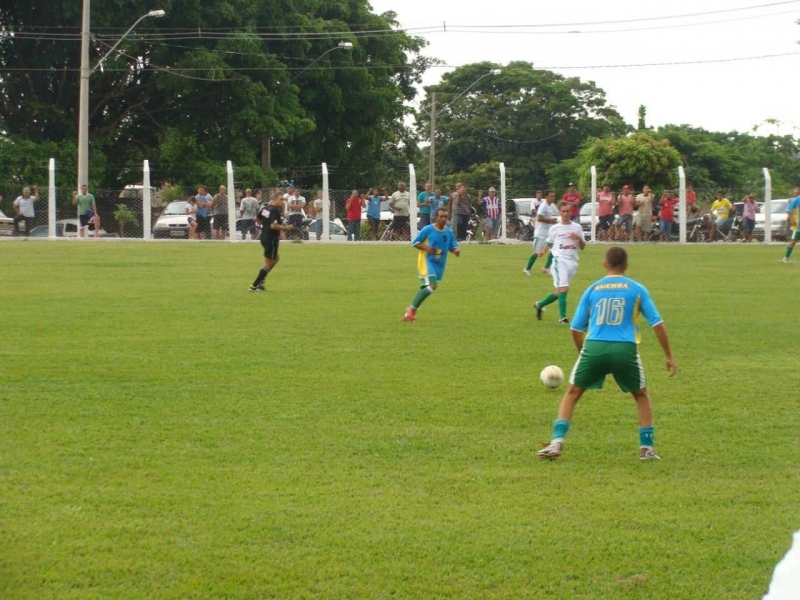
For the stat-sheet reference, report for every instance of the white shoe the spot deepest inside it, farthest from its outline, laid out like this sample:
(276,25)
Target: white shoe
(552,450)
(784,260)
(527,272)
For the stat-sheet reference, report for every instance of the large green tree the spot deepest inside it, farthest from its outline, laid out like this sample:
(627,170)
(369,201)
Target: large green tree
(209,82)
(528,118)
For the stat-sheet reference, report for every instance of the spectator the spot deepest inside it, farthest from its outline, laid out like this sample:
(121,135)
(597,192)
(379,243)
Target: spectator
(605,211)
(720,214)
(353,205)
(294,215)
(491,215)
(87,211)
(793,222)
(248,210)
(374,210)
(439,201)
(644,219)
(573,198)
(191,216)
(204,200)
(219,205)
(319,214)
(462,205)
(424,205)
(625,216)
(667,215)
(691,200)
(399,204)
(749,216)
(23,209)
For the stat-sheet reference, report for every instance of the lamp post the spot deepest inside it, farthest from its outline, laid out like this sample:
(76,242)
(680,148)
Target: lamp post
(432,159)
(339,46)
(86,72)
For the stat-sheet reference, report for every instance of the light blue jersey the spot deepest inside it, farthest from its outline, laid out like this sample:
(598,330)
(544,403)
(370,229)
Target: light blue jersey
(610,308)
(444,241)
(793,208)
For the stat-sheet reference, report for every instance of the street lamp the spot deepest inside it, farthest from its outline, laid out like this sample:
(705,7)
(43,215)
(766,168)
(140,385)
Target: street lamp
(432,159)
(339,46)
(86,72)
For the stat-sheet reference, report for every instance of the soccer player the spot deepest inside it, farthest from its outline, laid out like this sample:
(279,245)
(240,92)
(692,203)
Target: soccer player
(433,242)
(563,240)
(269,216)
(546,216)
(608,310)
(793,219)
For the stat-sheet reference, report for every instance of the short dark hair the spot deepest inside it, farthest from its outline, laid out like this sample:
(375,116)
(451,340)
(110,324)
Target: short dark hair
(616,257)
(444,210)
(548,192)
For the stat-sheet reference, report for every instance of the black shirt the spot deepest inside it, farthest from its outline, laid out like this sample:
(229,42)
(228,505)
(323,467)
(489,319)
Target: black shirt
(267,215)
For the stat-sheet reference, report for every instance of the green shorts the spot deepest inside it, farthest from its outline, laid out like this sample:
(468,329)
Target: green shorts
(427,280)
(794,234)
(598,359)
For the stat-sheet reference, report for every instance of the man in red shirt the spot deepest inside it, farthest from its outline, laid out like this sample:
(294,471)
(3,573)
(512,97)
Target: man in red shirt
(625,214)
(354,204)
(691,200)
(573,198)
(667,215)
(605,212)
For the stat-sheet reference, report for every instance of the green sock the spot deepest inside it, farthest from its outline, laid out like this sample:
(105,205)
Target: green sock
(531,260)
(560,428)
(549,300)
(549,260)
(788,251)
(646,436)
(423,293)
(562,305)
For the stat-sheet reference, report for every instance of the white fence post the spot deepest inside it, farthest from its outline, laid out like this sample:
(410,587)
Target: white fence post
(593,171)
(767,207)
(231,203)
(682,205)
(147,203)
(326,204)
(412,206)
(503,236)
(51,200)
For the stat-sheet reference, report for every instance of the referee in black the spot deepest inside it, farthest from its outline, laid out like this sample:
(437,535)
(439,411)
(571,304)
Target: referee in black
(269,216)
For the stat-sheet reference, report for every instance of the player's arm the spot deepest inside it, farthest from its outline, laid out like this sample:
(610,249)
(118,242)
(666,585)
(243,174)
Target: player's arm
(661,334)
(545,250)
(35,193)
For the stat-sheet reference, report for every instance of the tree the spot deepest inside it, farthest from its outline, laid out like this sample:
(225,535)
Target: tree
(123,215)
(207,83)
(634,160)
(642,121)
(529,119)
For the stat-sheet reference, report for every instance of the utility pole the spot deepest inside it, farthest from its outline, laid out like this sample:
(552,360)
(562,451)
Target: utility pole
(83,112)
(432,159)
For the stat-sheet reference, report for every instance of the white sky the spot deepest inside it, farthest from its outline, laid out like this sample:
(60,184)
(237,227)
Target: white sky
(721,96)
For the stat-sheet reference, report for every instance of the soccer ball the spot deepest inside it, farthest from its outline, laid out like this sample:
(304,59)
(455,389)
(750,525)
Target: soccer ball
(552,376)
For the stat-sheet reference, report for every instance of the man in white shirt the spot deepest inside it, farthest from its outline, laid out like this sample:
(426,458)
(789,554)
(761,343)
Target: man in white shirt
(248,209)
(23,209)
(294,214)
(400,204)
(564,240)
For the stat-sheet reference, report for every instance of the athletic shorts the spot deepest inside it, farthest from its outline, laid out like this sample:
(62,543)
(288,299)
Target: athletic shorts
(428,280)
(373,221)
(270,245)
(85,219)
(220,221)
(605,222)
(539,242)
(563,271)
(492,223)
(203,224)
(598,359)
(795,235)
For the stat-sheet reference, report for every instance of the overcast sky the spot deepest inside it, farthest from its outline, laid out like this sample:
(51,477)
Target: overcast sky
(718,96)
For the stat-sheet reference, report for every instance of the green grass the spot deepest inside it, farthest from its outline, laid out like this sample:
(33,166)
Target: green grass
(166,434)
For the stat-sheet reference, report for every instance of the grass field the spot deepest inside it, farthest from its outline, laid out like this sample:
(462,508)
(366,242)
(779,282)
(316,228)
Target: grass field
(166,434)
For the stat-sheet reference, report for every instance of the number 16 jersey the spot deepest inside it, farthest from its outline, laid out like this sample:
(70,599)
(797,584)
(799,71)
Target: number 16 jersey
(610,310)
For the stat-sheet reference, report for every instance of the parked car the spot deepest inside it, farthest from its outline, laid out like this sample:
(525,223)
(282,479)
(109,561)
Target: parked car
(778,220)
(338,232)
(67,228)
(173,221)
(6,224)
(524,209)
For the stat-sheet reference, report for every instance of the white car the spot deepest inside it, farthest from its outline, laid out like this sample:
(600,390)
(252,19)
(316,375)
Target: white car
(777,220)
(337,231)
(524,209)
(6,224)
(173,222)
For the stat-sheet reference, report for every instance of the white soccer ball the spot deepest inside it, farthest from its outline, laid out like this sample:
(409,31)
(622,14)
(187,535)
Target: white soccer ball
(552,376)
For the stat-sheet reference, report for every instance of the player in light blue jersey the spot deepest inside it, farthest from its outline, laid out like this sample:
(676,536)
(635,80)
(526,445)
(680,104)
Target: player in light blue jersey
(793,218)
(433,242)
(605,331)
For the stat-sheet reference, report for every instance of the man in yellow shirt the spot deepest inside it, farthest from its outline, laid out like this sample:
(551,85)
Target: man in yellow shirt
(720,213)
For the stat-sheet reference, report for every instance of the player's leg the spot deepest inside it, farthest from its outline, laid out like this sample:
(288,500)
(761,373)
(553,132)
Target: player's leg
(552,297)
(429,284)
(538,244)
(271,259)
(567,270)
(644,409)
(793,237)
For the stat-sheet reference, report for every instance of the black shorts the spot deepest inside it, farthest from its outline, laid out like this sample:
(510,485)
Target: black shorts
(401,223)
(270,245)
(85,219)
(605,221)
(373,221)
(220,221)
(203,224)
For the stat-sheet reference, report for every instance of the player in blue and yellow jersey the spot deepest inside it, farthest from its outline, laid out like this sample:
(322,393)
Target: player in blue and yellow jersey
(793,216)
(605,331)
(433,242)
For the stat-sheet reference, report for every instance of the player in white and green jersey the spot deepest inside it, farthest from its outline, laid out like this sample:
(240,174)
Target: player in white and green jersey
(546,216)
(564,240)
(606,334)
